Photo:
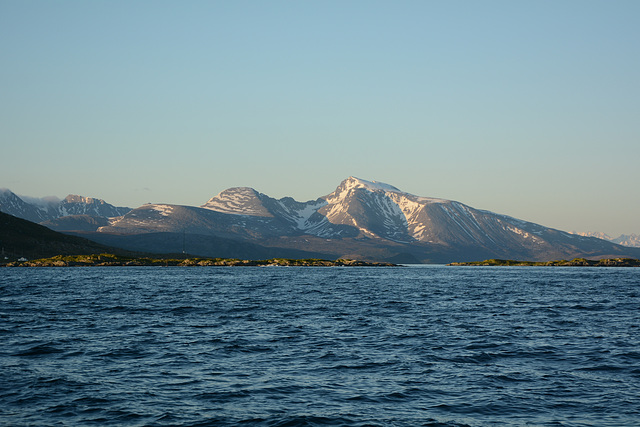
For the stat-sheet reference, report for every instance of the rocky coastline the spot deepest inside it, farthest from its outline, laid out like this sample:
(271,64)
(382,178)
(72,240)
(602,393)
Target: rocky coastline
(111,260)
(577,262)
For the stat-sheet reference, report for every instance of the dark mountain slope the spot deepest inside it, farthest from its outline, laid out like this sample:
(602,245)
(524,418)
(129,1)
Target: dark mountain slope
(200,245)
(22,238)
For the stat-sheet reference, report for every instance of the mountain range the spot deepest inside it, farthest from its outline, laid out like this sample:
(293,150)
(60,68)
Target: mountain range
(40,210)
(361,219)
(631,240)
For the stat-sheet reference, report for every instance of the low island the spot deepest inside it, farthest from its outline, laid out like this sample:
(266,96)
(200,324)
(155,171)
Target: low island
(576,262)
(111,260)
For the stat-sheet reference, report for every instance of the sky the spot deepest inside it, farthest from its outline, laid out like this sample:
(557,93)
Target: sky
(525,108)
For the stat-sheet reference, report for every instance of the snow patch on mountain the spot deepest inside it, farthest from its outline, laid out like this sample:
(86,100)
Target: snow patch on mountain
(303,216)
(238,201)
(353,182)
(164,210)
(522,233)
(80,205)
(630,240)
(596,234)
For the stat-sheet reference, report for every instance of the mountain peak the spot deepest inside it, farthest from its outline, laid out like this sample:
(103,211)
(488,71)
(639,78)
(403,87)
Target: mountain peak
(5,193)
(350,185)
(354,182)
(74,198)
(238,201)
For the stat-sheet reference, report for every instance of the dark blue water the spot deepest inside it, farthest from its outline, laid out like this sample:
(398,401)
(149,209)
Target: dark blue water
(320,346)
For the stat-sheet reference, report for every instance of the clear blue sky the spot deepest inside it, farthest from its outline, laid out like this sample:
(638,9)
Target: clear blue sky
(527,108)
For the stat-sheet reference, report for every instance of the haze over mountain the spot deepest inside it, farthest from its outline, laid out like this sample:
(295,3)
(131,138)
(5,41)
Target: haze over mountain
(39,210)
(631,240)
(360,219)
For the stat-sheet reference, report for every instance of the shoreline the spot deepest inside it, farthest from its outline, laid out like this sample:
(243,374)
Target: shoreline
(576,262)
(111,260)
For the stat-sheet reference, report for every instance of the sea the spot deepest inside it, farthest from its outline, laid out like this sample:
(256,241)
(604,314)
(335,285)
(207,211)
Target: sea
(320,346)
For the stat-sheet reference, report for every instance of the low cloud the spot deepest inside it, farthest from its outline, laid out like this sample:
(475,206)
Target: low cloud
(41,201)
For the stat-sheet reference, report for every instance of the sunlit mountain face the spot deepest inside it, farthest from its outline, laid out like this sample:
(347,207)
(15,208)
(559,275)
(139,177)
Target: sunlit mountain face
(360,219)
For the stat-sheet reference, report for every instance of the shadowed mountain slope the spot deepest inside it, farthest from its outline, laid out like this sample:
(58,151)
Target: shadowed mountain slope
(22,238)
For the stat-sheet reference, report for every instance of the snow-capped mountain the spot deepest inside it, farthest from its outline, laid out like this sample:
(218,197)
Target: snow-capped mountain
(364,219)
(11,204)
(630,240)
(79,205)
(239,201)
(596,234)
(297,217)
(39,210)
(367,209)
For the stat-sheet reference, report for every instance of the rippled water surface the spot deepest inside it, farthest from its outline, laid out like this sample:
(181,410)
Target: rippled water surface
(427,345)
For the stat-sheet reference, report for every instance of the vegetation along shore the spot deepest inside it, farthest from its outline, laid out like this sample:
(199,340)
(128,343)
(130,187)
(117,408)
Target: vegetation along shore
(112,260)
(577,262)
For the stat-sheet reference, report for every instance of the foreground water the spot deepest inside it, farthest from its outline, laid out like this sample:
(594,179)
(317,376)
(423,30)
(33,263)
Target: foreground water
(320,346)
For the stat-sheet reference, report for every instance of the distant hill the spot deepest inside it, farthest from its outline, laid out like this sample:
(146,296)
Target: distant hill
(22,238)
(630,240)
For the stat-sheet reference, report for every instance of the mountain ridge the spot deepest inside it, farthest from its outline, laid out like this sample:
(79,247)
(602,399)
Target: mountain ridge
(41,210)
(368,219)
(361,219)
